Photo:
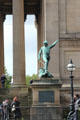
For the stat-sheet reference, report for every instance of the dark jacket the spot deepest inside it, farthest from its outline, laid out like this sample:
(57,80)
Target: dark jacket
(17,111)
(3,79)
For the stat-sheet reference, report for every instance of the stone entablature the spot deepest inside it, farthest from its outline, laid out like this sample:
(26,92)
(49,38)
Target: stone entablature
(67,43)
(30,7)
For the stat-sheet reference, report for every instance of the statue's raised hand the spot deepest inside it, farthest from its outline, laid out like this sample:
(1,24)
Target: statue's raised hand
(56,41)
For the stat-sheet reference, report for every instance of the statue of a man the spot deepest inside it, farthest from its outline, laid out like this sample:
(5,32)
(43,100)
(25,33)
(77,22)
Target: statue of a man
(44,52)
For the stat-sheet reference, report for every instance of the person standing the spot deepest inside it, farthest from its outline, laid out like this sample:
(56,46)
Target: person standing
(77,106)
(5,110)
(2,79)
(15,105)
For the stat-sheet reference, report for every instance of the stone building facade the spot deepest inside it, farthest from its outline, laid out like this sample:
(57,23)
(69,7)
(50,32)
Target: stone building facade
(56,19)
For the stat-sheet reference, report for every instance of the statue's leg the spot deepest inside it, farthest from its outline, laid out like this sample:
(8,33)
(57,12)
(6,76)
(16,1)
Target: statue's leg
(46,70)
(46,66)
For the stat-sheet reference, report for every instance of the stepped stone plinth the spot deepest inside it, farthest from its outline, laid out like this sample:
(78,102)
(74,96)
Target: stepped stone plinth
(46,99)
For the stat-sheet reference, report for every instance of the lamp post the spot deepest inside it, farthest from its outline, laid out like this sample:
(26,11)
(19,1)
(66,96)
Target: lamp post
(71,68)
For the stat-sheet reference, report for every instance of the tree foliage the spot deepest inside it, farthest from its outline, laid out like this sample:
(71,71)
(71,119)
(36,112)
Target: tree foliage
(8,79)
(28,78)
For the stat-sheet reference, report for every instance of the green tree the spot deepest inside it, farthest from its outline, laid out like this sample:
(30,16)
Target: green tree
(8,79)
(28,78)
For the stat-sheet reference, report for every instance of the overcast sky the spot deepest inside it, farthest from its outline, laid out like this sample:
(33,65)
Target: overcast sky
(30,45)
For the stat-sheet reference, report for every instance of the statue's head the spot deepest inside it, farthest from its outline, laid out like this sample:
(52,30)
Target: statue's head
(45,42)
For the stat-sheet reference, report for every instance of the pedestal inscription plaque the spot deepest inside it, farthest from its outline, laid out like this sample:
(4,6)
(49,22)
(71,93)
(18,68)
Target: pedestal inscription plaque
(46,96)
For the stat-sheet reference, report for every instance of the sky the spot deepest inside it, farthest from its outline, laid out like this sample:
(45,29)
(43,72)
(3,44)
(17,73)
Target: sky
(30,45)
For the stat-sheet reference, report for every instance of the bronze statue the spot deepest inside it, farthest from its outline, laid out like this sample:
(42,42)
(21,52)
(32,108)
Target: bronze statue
(44,52)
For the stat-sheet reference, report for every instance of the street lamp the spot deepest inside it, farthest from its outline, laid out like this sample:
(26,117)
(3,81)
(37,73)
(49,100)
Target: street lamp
(71,68)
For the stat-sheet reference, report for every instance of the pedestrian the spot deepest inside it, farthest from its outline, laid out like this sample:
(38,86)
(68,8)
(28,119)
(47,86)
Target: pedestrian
(15,105)
(76,106)
(5,110)
(2,111)
(3,78)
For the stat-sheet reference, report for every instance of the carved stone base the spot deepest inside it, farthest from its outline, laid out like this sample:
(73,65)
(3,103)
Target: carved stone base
(46,91)
(46,100)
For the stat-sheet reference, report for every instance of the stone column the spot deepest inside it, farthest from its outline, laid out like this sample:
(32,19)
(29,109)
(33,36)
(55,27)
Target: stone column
(2,16)
(41,30)
(18,44)
(51,32)
(39,37)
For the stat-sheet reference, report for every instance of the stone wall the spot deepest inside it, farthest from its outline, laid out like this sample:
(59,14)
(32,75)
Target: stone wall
(69,35)
(24,95)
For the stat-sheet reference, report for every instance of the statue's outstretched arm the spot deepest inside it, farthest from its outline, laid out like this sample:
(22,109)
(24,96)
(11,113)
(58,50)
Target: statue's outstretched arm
(39,55)
(54,43)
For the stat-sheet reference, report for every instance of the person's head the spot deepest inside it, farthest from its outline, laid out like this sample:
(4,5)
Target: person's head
(3,75)
(45,43)
(76,97)
(6,100)
(15,99)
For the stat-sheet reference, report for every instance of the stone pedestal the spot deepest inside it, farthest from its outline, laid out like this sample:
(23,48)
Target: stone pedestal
(46,113)
(46,100)
(46,91)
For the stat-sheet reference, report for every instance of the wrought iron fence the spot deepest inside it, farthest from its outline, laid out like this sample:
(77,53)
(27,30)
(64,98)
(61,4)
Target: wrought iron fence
(10,115)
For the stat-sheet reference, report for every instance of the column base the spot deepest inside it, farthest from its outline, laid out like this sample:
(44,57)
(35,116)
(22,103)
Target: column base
(18,85)
(18,91)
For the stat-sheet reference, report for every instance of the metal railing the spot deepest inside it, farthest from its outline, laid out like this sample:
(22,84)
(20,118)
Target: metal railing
(8,114)
(25,111)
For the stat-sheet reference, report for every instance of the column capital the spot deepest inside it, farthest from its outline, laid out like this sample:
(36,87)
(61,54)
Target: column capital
(2,16)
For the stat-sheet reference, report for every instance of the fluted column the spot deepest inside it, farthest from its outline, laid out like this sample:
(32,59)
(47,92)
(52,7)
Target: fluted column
(2,16)
(18,44)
